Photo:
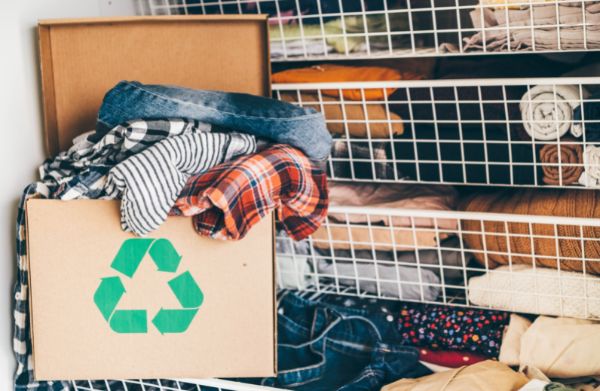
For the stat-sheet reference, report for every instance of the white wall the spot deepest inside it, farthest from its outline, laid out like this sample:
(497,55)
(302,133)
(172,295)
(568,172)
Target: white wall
(21,142)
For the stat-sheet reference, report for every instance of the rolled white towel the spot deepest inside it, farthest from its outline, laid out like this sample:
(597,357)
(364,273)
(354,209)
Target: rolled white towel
(590,177)
(542,110)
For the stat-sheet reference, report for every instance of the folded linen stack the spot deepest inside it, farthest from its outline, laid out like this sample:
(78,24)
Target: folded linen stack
(515,29)
(516,285)
(338,35)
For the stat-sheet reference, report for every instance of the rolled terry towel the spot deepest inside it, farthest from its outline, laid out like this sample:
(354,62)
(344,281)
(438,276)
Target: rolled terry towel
(568,153)
(537,291)
(591,111)
(232,197)
(546,115)
(540,202)
(590,177)
(354,112)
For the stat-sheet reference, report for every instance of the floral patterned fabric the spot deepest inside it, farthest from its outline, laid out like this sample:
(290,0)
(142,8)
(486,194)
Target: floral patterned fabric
(456,328)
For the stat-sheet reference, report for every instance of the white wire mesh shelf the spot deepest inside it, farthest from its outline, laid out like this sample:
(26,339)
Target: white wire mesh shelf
(483,260)
(503,132)
(424,256)
(165,385)
(338,29)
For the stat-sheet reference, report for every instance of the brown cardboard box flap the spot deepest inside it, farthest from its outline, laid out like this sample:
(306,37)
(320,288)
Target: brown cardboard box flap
(81,59)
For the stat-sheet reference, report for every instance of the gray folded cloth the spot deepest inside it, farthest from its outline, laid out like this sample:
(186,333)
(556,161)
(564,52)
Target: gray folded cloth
(390,279)
(431,270)
(296,270)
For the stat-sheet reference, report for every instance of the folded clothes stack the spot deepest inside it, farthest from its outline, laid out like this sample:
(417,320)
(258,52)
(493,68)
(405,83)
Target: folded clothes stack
(514,284)
(376,253)
(511,28)
(337,35)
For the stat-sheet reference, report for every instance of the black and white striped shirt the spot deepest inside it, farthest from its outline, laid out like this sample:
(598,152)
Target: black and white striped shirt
(149,182)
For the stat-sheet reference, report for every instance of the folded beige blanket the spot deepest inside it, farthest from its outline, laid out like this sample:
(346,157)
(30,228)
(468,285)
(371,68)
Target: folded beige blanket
(484,376)
(559,347)
(404,239)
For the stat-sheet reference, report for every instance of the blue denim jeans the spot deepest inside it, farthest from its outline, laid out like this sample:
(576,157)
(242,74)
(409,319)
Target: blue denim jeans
(302,128)
(326,348)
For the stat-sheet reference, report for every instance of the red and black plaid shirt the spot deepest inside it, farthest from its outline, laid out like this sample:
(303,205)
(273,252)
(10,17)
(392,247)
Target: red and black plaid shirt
(230,198)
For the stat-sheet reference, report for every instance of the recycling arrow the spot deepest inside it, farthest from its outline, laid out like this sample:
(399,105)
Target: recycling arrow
(132,252)
(173,321)
(135,321)
(108,295)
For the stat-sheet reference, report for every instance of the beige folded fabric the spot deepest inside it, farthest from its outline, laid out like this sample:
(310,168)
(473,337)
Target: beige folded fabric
(521,288)
(510,349)
(354,112)
(562,347)
(382,238)
(484,376)
(395,196)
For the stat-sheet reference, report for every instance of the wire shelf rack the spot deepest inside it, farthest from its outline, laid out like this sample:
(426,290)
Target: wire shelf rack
(503,132)
(551,266)
(343,29)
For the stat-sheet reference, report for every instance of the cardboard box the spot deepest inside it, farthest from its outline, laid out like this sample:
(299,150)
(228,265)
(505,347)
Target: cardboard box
(104,303)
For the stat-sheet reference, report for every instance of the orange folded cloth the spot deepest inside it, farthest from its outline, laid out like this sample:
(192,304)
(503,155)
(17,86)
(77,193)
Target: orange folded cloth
(328,73)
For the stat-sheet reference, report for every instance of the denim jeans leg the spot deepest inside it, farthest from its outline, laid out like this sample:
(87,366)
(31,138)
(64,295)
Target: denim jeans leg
(328,348)
(300,127)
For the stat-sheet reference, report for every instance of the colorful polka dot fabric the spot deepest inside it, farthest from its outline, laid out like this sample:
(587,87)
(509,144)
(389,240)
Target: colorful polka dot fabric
(443,327)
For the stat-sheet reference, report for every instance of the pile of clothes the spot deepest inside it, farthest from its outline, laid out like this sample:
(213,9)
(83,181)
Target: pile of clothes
(533,27)
(226,159)
(334,342)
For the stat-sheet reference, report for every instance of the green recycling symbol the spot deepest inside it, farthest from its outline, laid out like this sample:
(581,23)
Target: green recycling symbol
(167,260)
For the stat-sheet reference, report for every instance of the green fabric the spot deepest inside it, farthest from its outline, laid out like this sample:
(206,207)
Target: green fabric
(354,25)
(556,387)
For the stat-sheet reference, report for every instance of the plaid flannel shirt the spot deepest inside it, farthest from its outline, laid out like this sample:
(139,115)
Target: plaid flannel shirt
(229,199)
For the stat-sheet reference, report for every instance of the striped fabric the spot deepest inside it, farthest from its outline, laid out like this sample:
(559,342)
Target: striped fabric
(148,183)
(24,380)
(231,198)
(118,144)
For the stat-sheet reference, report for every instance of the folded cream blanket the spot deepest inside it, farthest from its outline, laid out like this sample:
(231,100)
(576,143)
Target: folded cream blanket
(542,291)
(558,347)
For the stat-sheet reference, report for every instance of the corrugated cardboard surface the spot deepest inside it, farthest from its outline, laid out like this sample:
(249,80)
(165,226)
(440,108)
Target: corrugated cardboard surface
(81,59)
(71,247)
(72,244)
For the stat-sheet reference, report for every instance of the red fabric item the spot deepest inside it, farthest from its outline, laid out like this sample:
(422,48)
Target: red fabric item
(227,200)
(450,358)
